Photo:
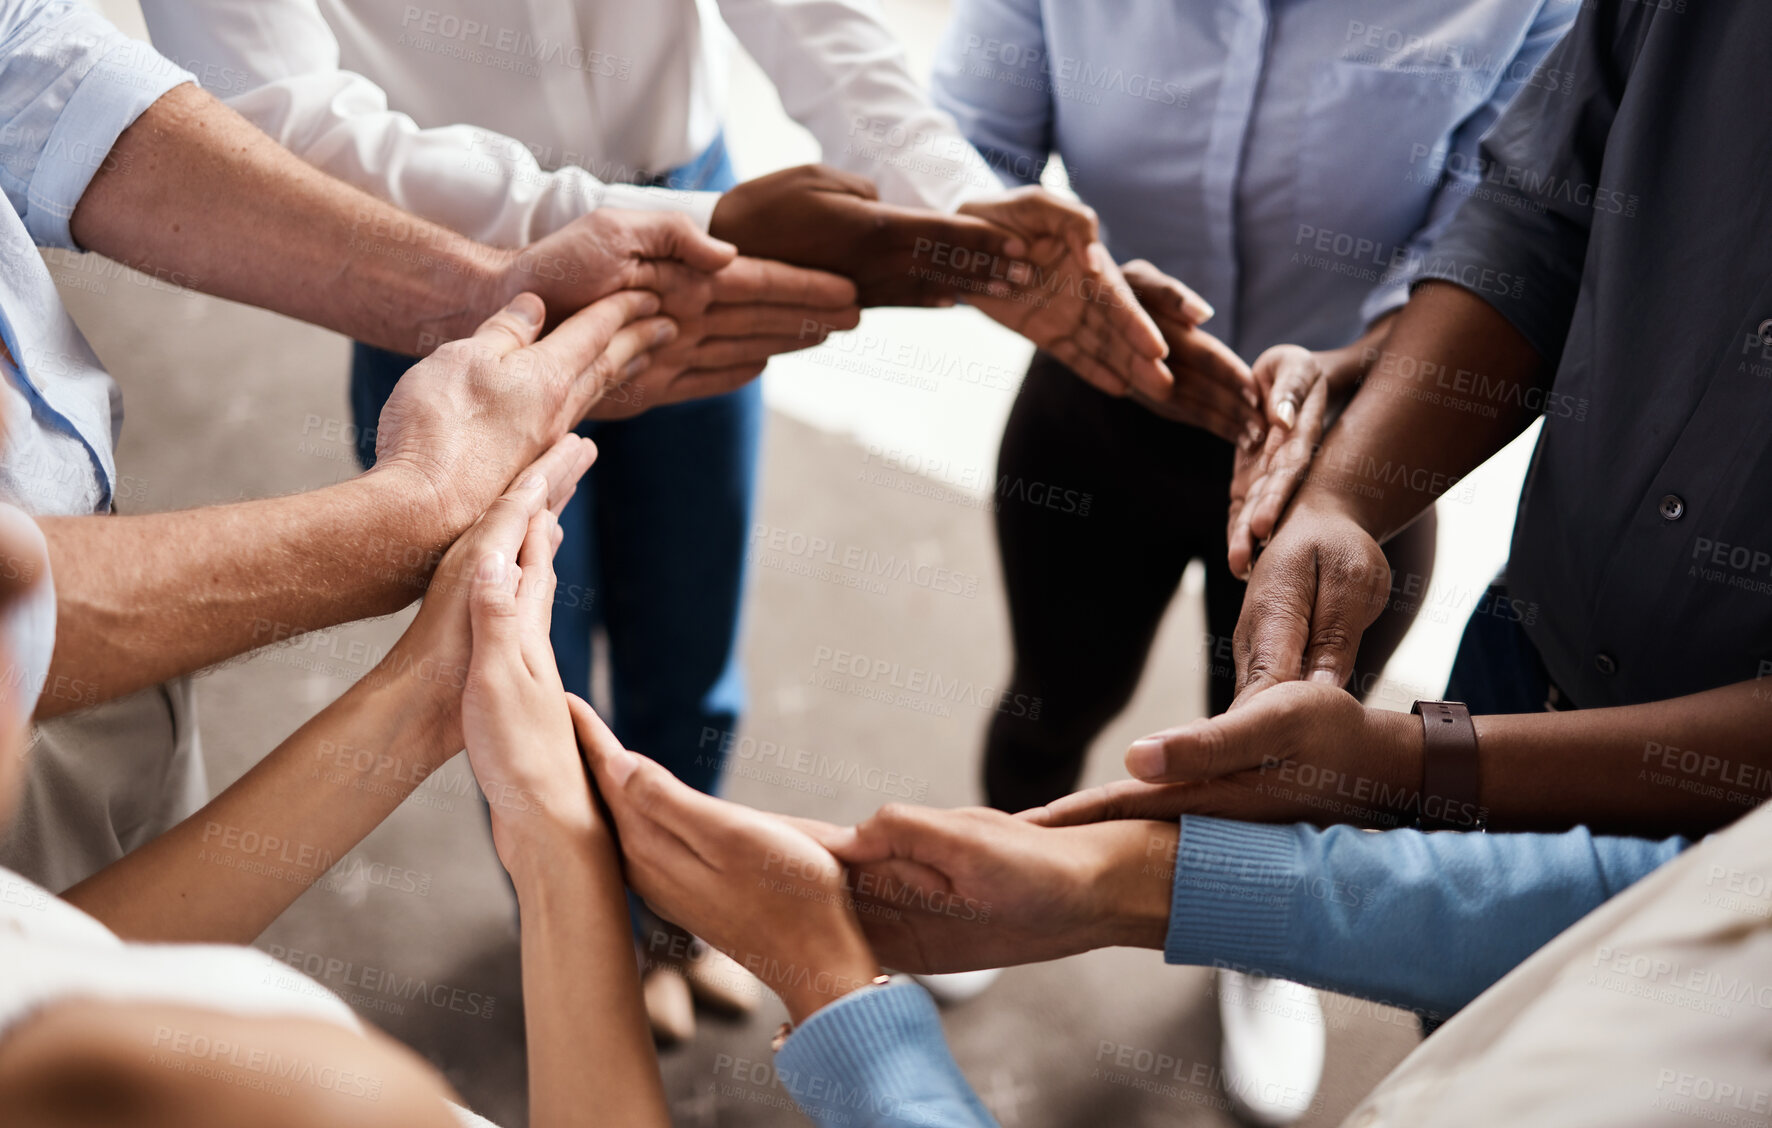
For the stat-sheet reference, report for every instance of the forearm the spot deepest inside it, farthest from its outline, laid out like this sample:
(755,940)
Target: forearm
(142,599)
(224,874)
(1688,765)
(589,1046)
(1450,388)
(193,191)
(1420,921)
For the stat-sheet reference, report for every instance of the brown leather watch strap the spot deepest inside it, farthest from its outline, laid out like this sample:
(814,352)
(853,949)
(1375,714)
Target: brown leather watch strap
(1450,793)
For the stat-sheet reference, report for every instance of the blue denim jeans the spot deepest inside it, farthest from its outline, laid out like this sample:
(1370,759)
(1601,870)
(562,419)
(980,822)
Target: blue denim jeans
(654,551)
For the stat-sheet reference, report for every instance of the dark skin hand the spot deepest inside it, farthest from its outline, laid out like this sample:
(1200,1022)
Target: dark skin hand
(819,217)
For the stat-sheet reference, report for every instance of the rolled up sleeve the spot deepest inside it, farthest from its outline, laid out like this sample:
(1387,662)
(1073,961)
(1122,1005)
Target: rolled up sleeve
(70,84)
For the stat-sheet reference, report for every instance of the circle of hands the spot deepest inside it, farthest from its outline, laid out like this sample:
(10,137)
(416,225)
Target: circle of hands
(813,909)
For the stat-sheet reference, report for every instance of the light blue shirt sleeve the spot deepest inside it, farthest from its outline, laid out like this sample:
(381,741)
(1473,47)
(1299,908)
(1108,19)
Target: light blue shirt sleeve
(878,1059)
(1004,110)
(1460,167)
(1425,922)
(70,83)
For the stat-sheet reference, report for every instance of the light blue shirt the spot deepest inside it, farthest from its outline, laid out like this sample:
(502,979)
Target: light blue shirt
(70,83)
(1291,160)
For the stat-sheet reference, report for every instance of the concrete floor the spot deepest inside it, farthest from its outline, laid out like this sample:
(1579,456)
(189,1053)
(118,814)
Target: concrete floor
(225,402)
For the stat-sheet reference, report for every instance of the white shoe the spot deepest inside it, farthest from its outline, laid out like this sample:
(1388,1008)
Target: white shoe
(954,987)
(1274,1040)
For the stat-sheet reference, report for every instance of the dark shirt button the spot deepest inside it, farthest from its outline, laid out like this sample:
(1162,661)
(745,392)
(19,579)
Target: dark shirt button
(1606,664)
(1672,507)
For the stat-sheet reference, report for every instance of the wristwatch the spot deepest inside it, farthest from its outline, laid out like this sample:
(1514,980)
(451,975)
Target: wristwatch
(1450,795)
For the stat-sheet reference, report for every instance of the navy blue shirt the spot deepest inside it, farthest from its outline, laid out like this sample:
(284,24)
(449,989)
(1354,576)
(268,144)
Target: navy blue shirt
(1625,228)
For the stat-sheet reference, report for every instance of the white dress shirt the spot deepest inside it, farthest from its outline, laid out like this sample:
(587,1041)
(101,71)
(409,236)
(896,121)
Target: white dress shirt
(506,120)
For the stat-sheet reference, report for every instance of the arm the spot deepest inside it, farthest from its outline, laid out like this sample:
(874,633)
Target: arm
(1688,765)
(228,871)
(141,599)
(1420,921)
(1459,362)
(277,64)
(1001,107)
(842,74)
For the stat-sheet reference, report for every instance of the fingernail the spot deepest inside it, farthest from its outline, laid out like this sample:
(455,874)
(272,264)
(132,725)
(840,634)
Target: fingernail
(666,331)
(528,309)
(532,481)
(1015,248)
(1287,413)
(1199,310)
(1145,759)
(1325,677)
(635,366)
(492,566)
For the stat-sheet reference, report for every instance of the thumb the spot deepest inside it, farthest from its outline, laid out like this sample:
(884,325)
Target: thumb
(671,235)
(1205,749)
(513,327)
(609,762)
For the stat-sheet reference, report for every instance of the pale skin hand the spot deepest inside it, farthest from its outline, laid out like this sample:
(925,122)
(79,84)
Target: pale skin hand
(755,886)
(958,890)
(143,599)
(1074,303)
(1299,389)
(321,791)
(1213,389)
(585,1021)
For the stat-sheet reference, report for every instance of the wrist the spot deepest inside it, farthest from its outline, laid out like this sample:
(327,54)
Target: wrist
(1398,739)
(540,844)
(1134,883)
(808,985)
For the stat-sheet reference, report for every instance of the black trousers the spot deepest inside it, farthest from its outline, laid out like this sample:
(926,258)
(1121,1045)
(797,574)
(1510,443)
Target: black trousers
(1101,505)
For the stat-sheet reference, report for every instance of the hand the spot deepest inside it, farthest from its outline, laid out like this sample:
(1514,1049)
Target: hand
(515,721)
(1297,752)
(819,217)
(974,888)
(1213,389)
(609,250)
(757,309)
(755,886)
(1313,592)
(1299,388)
(436,647)
(464,420)
(1076,305)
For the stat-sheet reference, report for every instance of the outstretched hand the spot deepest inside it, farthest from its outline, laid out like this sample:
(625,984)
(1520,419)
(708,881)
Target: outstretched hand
(1298,752)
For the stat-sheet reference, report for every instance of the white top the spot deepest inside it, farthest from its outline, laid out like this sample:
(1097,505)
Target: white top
(485,115)
(52,952)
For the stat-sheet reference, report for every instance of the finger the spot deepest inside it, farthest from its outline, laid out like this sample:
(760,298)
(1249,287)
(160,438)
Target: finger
(577,343)
(1275,624)
(1351,595)
(749,319)
(673,235)
(831,179)
(829,835)
(1122,799)
(561,493)
(627,779)
(1126,314)
(925,835)
(1290,462)
(1217,371)
(763,281)
(1294,377)
(1205,749)
(1164,295)
(699,384)
(492,611)
(730,352)
(513,327)
(628,355)
(963,254)
(535,591)
(561,466)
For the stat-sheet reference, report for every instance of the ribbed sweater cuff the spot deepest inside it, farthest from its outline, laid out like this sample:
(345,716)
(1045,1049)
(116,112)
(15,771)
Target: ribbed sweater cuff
(1232,903)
